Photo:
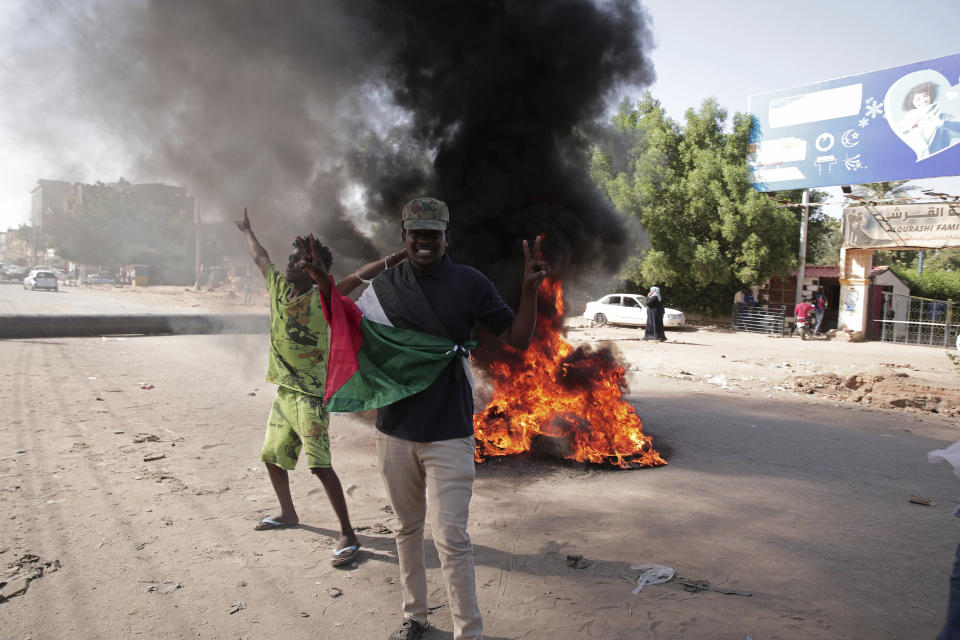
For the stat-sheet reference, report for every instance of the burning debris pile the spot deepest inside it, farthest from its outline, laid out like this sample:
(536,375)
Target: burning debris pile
(560,401)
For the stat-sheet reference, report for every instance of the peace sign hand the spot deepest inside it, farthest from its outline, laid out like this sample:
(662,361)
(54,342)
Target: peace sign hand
(535,268)
(311,262)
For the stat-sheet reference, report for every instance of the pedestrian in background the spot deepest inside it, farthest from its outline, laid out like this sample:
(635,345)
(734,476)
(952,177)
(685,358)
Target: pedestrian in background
(247,287)
(819,307)
(654,328)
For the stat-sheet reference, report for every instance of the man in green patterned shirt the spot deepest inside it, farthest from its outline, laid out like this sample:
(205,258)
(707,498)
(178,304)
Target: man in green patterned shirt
(299,344)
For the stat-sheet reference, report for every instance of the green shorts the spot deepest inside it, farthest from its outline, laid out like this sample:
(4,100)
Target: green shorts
(297,420)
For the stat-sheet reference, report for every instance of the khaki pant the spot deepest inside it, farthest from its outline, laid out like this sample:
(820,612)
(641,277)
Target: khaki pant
(433,480)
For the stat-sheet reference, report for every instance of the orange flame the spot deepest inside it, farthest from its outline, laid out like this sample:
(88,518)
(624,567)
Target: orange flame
(567,400)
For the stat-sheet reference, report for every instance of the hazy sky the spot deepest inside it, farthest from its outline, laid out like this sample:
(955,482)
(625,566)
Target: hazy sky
(726,50)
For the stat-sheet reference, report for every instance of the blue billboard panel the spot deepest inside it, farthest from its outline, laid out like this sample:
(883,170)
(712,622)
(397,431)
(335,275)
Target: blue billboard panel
(894,124)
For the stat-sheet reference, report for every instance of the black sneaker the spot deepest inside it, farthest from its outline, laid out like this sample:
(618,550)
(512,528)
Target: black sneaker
(410,630)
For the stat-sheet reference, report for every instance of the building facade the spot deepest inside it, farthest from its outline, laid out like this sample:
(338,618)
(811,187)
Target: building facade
(52,197)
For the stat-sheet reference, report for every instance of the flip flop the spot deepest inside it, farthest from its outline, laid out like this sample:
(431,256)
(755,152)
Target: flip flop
(269,524)
(345,555)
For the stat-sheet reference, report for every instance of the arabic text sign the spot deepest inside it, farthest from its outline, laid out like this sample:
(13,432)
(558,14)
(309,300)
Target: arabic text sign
(914,226)
(895,124)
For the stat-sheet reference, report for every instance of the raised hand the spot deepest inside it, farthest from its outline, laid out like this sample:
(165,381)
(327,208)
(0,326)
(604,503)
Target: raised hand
(243,225)
(257,252)
(535,268)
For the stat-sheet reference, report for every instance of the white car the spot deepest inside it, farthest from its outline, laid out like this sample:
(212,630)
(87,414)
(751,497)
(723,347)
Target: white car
(37,279)
(627,308)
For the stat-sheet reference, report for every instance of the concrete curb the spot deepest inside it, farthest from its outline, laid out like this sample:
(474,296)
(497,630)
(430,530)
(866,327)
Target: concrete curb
(76,326)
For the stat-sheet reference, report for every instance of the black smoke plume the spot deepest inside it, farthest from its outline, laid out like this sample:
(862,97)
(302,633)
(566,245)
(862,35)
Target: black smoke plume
(504,92)
(327,116)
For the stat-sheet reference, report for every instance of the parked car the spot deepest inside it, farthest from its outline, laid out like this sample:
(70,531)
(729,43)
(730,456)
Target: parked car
(40,280)
(627,308)
(16,273)
(56,271)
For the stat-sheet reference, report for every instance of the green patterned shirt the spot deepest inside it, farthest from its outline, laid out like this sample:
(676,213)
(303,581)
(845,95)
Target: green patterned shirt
(299,337)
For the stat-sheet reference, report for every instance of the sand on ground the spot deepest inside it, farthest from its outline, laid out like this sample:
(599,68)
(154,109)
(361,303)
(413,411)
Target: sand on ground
(130,484)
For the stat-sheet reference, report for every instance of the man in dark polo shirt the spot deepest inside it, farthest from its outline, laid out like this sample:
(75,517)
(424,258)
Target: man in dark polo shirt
(425,442)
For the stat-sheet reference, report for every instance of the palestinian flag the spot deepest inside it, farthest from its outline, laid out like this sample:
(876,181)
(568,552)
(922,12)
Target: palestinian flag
(393,348)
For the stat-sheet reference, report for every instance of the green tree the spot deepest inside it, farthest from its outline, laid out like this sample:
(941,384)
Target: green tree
(823,246)
(110,229)
(823,232)
(942,260)
(25,234)
(900,258)
(86,233)
(709,231)
(942,285)
(883,191)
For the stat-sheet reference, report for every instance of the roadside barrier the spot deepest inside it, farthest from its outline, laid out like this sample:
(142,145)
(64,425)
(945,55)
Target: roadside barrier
(769,319)
(77,326)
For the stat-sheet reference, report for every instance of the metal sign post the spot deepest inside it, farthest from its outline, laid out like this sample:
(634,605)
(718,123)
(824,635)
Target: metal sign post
(805,202)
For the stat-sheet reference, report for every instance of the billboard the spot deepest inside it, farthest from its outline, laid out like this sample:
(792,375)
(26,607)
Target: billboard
(894,124)
(902,226)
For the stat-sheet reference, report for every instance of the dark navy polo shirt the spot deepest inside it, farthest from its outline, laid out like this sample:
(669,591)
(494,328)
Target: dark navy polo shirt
(462,297)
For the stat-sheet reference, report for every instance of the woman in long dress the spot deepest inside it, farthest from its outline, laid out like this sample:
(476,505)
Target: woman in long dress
(654,330)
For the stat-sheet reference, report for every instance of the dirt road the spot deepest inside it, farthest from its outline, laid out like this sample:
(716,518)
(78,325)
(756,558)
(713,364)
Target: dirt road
(798,498)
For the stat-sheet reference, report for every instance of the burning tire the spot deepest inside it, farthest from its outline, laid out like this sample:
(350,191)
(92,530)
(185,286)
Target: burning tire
(599,320)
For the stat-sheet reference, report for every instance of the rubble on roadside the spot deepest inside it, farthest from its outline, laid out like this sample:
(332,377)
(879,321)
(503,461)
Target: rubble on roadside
(890,390)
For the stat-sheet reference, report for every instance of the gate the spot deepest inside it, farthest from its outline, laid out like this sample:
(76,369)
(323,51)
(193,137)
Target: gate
(768,319)
(915,320)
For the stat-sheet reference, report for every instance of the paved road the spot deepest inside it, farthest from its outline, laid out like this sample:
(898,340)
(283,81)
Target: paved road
(802,501)
(15,300)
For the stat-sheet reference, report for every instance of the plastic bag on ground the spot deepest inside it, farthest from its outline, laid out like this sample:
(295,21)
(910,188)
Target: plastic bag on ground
(652,574)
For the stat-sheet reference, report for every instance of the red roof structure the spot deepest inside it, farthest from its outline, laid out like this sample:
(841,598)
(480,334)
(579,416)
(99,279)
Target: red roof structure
(833,271)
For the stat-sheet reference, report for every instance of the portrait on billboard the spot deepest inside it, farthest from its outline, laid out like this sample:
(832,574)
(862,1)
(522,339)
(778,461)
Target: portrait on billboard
(923,109)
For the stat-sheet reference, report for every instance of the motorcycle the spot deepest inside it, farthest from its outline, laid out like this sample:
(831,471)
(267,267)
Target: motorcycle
(805,326)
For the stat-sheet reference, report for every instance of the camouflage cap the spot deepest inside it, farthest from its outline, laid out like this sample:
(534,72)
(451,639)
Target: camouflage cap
(426,213)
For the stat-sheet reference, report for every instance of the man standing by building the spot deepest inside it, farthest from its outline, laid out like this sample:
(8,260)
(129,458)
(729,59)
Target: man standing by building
(819,307)
(425,442)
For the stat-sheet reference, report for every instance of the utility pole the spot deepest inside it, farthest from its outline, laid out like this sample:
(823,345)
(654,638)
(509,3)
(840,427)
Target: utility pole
(805,203)
(196,220)
(36,237)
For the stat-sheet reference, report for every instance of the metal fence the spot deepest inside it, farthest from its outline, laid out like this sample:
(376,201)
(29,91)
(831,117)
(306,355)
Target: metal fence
(915,320)
(769,319)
